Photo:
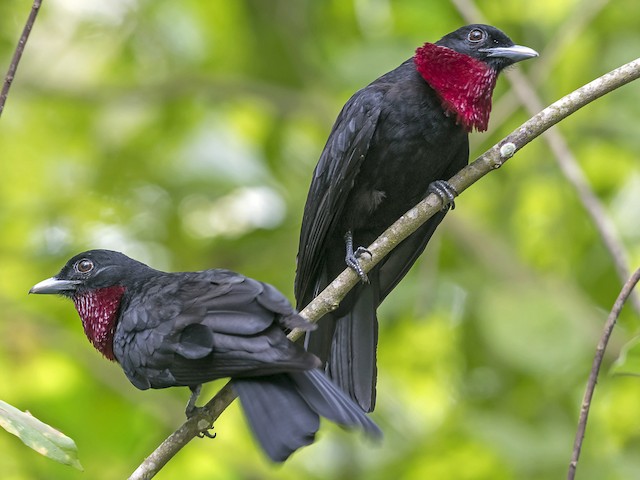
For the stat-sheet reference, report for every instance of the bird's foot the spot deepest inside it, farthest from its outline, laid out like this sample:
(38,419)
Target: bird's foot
(351,258)
(191,409)
(353,264)
(206,433)
(445,191)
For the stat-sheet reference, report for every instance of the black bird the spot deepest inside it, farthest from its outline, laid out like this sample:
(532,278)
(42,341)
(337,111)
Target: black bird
(393,142)
(188,328)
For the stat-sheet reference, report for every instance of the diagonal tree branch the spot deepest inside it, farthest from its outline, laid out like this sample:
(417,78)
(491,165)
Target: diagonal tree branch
(330,298)
(578,20)
(626,291)
(17,55)
(563,155)
(571,170)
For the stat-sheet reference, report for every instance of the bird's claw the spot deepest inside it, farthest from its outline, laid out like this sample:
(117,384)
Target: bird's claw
(351,257)
(206,433)
(362,251)
(192,411)
(353,264)
(445,191)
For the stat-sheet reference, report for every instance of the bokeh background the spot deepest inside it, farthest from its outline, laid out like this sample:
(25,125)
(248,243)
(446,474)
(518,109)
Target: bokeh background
(185,133)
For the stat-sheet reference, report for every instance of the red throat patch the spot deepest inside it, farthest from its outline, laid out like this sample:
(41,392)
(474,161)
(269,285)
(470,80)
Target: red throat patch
(464,84)
(98,310)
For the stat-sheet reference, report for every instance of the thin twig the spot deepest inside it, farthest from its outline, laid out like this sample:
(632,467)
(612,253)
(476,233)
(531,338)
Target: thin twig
(577,21)
(331,296)
(17,55)
(183,435)
(565,158)
(626,291)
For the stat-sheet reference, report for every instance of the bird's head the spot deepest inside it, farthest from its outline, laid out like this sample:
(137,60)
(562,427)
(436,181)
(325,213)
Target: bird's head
(96,281)
(486,44)
(462,68)
(91,270)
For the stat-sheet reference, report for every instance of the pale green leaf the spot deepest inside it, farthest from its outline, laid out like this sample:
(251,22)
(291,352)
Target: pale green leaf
(41,437)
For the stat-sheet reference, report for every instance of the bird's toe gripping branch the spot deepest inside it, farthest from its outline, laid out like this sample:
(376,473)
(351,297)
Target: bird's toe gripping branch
(191,410)
(206,433)
(351,257)
(445,191)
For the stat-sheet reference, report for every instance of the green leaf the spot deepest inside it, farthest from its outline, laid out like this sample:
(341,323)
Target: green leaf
(43,438)
(628,363)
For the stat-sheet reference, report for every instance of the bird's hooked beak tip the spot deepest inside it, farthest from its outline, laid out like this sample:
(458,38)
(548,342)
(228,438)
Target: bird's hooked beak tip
(515,53)
(54,286)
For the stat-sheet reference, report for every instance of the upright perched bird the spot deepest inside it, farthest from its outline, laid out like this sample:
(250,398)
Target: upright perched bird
(393,142)
(188,328)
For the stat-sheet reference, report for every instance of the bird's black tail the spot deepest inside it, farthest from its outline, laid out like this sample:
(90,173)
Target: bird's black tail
(346,340)
(284,410)
(353,358)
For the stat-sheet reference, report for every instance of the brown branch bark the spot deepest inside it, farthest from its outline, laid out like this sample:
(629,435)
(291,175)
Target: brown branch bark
(626,291)
(330,298)
(17,55)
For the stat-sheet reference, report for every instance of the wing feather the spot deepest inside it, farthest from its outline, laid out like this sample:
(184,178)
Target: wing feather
(333,179)
(207,325)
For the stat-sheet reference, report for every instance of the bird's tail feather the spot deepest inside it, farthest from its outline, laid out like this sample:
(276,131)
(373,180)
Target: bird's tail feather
(278,416)
(326,399)
(352,364)
(283,410)
(319,341)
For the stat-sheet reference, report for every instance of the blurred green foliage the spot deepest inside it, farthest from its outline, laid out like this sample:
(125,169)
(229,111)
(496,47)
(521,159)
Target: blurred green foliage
(184,134)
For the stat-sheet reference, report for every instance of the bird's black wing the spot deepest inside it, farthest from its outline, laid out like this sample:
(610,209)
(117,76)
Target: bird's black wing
(333,179)
(205,326)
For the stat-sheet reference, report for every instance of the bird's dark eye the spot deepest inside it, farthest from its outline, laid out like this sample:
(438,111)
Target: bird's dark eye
(84,266)
(476,35)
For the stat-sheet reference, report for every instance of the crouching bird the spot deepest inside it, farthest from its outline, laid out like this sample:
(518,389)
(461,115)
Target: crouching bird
(188,328)
(393,142)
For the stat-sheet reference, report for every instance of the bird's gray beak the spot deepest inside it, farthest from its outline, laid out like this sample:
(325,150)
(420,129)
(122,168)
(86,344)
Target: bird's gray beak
(515,53)
(54,285)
